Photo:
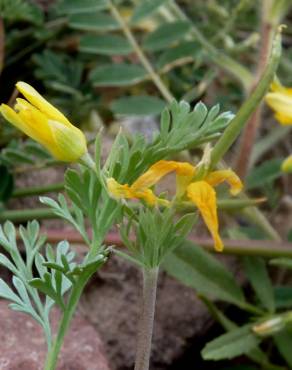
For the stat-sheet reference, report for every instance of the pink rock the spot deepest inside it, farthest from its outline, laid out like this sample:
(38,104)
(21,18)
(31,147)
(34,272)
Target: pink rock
(23,347)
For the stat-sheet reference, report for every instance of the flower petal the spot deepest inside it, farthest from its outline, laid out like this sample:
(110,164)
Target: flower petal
(41,103)
(276,86)
(69,142)
(161,169)
(217,177)
(281,103)
(27,124)
(204,197)
(36,123)
(11,116)
(119,191)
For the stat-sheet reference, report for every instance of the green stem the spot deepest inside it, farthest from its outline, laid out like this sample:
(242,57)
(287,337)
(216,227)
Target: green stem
(254,215)
(87,161)
(251,129)
(53,354)
(233,130)
(27,214)
(222,204)
(143,59)
(37,190)
(150,277)
(222,60)
(260,248)
(38,166)
(48,213)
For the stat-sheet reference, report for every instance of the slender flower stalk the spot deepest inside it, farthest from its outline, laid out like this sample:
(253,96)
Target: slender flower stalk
(150,278)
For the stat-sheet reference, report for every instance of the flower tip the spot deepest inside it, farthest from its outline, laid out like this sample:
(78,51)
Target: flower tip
(26,89)
(218,245)
(236,190)
(21,85)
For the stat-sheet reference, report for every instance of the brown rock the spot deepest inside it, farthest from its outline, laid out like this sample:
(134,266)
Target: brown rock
(22,345)
(112,305)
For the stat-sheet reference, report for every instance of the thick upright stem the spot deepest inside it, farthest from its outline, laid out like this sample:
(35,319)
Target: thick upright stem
(150,277)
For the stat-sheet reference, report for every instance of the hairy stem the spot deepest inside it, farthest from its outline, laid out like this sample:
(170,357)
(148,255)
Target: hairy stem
(165,93)
(150,277)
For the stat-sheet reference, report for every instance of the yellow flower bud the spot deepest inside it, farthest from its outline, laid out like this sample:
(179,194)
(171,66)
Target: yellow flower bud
(41,121)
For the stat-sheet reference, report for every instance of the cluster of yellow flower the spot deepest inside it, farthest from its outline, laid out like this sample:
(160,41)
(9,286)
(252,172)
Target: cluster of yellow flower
(41,121)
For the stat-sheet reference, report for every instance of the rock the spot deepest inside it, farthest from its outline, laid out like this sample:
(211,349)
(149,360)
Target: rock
(147,125)
(22,345)
(112,300)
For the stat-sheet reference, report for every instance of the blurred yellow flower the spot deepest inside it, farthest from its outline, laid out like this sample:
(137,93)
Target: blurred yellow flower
(200,191)
(280,100)
(44,123)
(287,164)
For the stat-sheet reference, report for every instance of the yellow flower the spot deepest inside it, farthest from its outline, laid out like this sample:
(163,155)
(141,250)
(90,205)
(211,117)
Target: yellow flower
(41,121)
(287,164)
(280,100)
(201,191)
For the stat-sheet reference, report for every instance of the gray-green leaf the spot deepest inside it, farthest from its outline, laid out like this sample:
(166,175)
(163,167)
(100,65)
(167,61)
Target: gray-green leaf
(232,344)
(117,75)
